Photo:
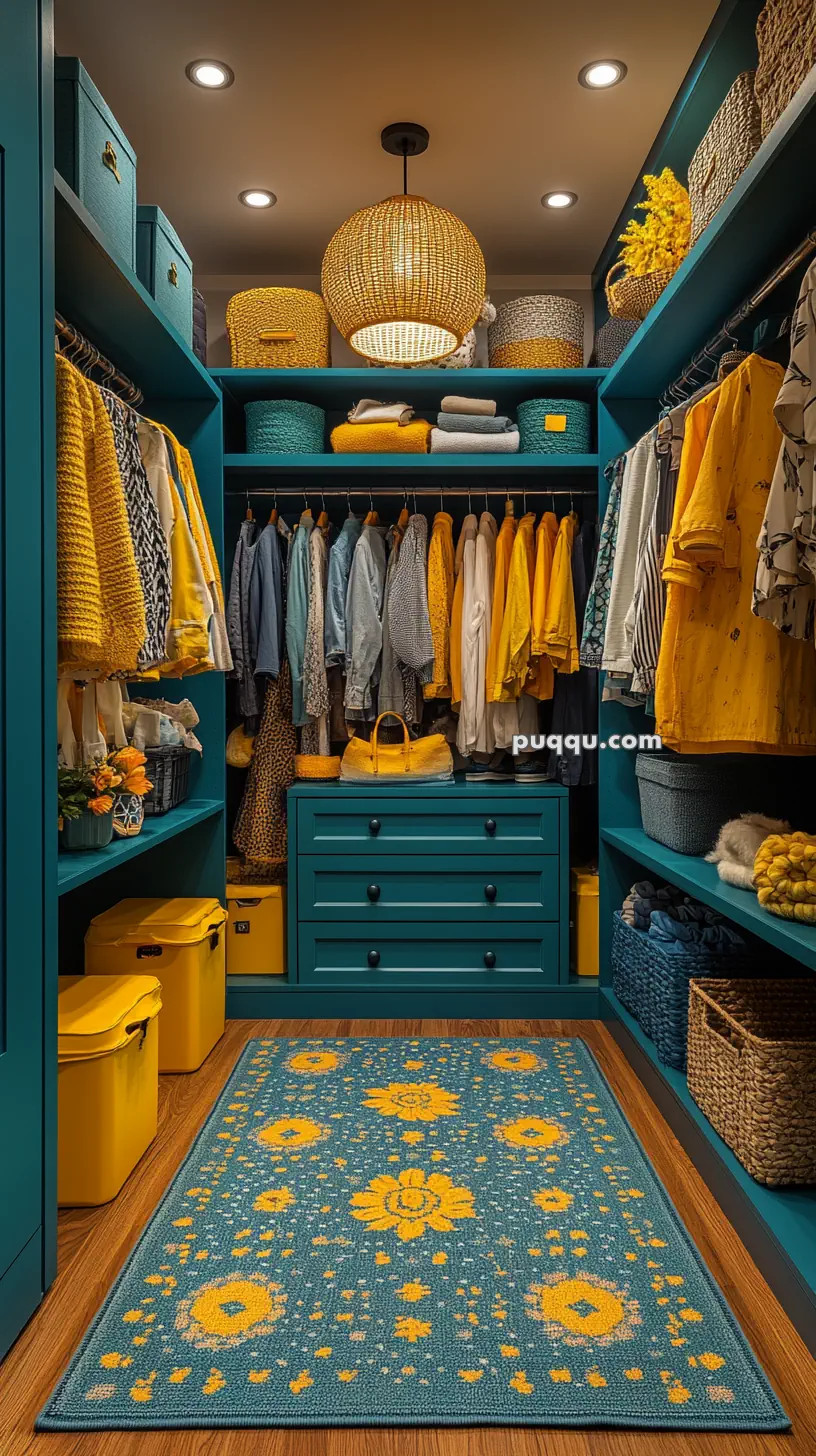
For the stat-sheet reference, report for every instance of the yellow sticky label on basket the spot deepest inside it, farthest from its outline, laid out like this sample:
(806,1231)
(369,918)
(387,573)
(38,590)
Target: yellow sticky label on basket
(555,424)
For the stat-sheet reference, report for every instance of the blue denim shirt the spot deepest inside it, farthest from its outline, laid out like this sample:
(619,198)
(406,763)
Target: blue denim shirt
(334,628)
(297,613)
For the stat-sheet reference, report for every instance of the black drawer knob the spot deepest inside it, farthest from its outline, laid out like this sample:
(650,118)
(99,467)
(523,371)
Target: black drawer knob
(490,826)
(490,893)
(489,959)
(373,957)
(374,826)
(373,893)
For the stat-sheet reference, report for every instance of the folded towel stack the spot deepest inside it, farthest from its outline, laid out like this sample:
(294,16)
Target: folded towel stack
(387,437)
(471,426)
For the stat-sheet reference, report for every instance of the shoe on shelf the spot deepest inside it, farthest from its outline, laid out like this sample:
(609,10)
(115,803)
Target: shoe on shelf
(533,770)
(499,770)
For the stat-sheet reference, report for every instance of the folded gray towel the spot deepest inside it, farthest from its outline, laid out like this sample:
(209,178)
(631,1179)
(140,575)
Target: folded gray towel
(457,404)
(478,424)
(458,442)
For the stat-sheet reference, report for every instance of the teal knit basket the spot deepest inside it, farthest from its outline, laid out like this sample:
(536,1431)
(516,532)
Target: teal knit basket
(554,427)
(284,427)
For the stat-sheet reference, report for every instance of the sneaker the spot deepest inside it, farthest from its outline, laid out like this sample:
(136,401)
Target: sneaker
(498,771)
(532,771)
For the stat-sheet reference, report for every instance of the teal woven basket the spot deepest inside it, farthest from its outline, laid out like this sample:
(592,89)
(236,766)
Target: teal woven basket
(554,427)
(285,427)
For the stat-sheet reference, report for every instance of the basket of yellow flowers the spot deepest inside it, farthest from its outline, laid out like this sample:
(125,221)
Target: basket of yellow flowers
(652,250)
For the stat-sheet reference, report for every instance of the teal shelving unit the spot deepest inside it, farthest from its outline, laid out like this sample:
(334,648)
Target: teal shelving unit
(764,218)
(332,466)
(78,869)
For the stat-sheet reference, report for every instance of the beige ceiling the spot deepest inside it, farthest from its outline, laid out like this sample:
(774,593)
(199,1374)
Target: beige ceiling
(496,85)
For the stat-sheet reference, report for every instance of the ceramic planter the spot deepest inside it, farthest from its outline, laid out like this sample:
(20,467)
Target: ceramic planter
(89,831)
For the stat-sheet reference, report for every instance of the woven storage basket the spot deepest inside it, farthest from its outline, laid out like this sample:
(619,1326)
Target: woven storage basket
(541,331)
(724,153)
(611,340)
(284,426)
(786,42)
(278,328)
(653,983)
(632,298)
(554,426)
(168,770)
(684,801)
(752,1071)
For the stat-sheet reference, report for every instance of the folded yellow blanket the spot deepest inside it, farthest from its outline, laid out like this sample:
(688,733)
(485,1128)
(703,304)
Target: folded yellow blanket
(785,876)
(412,438)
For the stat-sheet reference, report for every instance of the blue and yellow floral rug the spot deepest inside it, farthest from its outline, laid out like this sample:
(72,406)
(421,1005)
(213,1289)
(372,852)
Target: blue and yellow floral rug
(425,1232)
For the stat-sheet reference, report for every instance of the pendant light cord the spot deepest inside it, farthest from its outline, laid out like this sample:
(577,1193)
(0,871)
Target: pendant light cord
(405,166)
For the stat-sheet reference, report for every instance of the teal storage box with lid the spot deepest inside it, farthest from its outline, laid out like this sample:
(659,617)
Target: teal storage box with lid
(95,157)
(165,269)
(555,426)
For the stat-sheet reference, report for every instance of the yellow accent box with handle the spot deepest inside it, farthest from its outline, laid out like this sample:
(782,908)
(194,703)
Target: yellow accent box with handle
(584,917)
(256,940)
(107,1083)
(182,942)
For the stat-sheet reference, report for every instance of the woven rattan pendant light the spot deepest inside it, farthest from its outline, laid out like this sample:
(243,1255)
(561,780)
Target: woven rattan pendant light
(404,280)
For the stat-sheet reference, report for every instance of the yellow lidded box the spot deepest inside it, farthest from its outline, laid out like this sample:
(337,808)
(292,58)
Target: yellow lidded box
(182,942)
(108,1082)
(256,934)
(584,917)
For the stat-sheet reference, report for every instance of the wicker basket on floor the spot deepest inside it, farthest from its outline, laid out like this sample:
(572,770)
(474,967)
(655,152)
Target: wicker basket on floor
(752,1071)
(786,42)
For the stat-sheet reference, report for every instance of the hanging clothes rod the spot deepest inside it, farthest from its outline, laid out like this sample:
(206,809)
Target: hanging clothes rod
(425,491)
(80,351)
(706,360)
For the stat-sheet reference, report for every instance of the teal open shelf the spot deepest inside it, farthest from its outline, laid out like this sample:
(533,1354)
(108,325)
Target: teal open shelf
(79,868)
(785,1217)
(762,219)
(104,299)
(423,388)
(700,879)
(385,464)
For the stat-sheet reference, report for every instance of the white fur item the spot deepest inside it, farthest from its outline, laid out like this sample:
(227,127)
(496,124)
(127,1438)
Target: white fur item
(737,845)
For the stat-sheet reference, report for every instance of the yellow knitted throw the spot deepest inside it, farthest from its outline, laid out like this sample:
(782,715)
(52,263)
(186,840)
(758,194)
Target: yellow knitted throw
(100,606)
(785,876)
(411,439)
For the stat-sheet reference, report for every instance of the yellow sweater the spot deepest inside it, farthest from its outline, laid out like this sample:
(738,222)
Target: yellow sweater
(504,552)
(100,606)
(440,601)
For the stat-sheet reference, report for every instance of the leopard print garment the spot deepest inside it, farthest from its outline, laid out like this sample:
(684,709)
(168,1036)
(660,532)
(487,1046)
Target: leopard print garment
(260,828)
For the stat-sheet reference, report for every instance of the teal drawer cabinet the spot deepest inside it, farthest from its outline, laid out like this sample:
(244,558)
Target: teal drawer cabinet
(435,887)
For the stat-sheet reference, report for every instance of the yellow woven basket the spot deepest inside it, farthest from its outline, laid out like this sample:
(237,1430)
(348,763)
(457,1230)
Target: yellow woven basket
(278,328)
(537,354)
(631,297)
(316,766)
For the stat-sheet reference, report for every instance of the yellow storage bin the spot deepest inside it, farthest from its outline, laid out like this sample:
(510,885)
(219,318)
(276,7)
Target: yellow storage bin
(182,941)
(278,328)
(256,930)
(584,917)
(107,1084)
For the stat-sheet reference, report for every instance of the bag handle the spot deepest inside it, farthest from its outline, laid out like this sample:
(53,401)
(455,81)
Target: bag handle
(277,336)
(713,1013)
(375,738)
(608,285)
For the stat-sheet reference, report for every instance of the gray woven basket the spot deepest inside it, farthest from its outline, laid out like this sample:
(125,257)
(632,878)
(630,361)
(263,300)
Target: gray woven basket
(611,340)
(684,802)
(724,153)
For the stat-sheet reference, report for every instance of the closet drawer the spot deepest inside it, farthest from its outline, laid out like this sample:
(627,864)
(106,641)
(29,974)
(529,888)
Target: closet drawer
(387,824)
(408,954)
(483,890)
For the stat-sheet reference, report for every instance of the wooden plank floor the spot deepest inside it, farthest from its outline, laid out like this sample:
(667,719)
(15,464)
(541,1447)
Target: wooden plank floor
(93,1244)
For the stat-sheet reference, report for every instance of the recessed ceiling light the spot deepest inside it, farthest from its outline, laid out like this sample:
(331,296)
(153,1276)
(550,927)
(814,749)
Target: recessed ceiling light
(213,75)
(257,197)
(599,75)
(559,199)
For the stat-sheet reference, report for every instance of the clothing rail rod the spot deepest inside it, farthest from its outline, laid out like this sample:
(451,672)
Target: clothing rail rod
(426,491)
(88,353)
(705,357)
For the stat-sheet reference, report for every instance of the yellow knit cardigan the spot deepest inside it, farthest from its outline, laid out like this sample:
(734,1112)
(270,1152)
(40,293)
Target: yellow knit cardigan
(100,606)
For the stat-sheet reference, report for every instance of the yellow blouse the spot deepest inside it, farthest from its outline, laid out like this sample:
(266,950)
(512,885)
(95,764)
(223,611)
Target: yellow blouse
(513,657)
(559,637)
(504,552)
(440,601)
(542,679)
(727,680)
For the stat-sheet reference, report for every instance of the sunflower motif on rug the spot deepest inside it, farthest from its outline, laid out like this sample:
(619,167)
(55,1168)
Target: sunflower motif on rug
(414,1231)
